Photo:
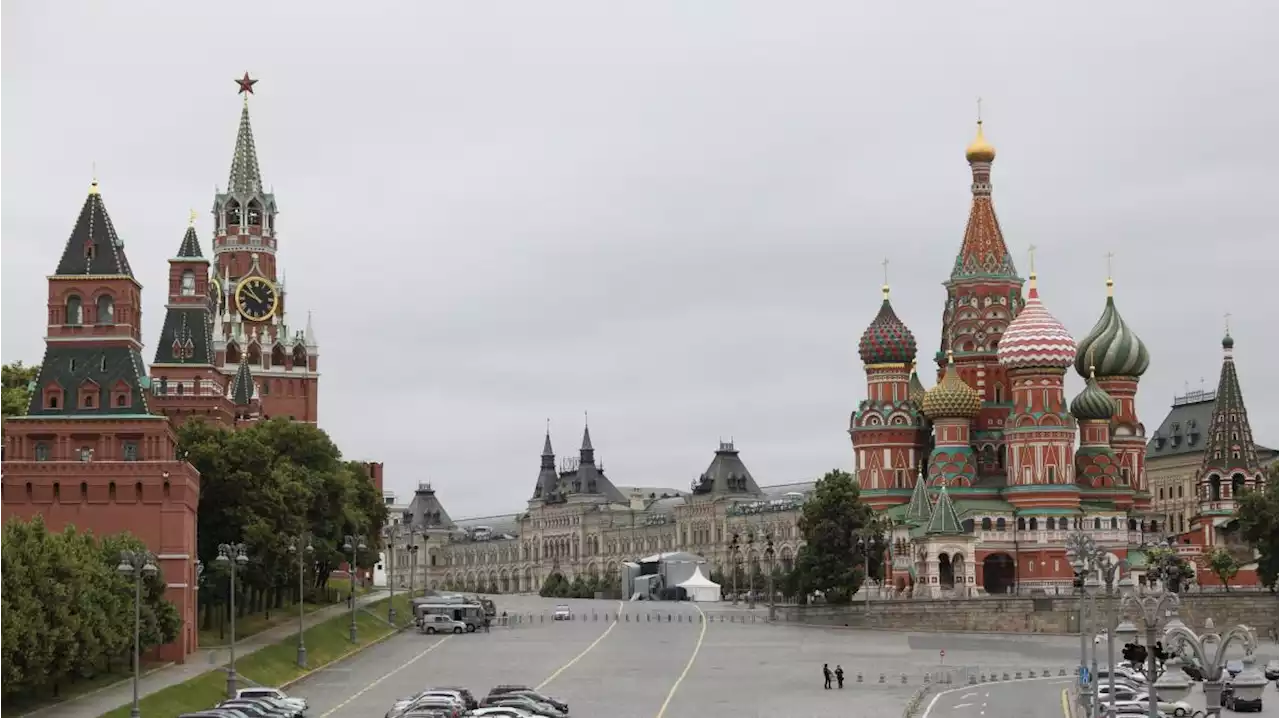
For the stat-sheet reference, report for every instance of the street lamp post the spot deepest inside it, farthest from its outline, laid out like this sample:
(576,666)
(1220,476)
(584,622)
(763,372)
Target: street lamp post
(1080,549)
(1091,586)
(137,565)
(768,554)
(233,555)
(391,534)
(1150,609)
(751,570)
(733,566)
(865,544)
(354,545)
(412,548)
(1109,567)
(302,548)
(1211,649)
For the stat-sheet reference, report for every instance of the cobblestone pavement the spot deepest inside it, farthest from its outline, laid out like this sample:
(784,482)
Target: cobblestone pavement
(663,660)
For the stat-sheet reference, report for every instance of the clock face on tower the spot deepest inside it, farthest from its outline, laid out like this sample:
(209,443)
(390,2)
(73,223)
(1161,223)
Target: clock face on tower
(215,296)
(256,298)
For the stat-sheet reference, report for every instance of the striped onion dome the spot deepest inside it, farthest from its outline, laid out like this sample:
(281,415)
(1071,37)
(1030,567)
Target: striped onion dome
(1093,402)
(951,398)
(887,340)
(1035,338)
(1111,346)
(915,389)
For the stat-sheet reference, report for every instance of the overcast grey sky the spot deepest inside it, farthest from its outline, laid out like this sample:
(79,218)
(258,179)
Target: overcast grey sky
(671,214)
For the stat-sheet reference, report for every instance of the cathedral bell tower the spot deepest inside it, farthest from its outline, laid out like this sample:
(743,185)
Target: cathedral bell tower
(250,324)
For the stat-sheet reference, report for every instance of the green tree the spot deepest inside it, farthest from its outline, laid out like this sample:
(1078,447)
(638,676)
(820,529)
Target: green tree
(1170,569)
(15,383)
(831,560)
(1257,525)
(1224,565)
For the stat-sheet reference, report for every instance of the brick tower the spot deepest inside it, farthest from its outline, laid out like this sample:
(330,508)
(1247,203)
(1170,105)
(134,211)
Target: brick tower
(250,323)
(185,380)
(91,452)
(984,294)
(1117,357)
(887,429)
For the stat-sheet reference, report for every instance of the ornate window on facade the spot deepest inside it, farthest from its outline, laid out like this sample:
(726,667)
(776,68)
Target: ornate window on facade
(129,450)
(74,311)
(188,283)
(42,451)
(106,310)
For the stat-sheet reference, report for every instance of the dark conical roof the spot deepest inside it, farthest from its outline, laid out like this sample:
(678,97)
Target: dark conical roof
(727,474)
(919,509)
(1230,448)
(190,247)
(548,480)
(944,520)
(93,247)
(242,384)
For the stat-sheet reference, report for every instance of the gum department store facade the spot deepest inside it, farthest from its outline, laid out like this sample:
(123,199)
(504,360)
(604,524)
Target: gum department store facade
(981,474)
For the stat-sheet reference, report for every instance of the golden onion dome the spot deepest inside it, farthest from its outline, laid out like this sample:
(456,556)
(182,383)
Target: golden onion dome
(980,150)
(951,398)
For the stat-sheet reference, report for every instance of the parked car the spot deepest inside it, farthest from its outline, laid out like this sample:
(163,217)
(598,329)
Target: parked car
(562,613)
(499,691)
(529,705)
(260,708)
(276,693)
(500,712)
(1272,671)
(468,699)
(1176,708)
(440,623)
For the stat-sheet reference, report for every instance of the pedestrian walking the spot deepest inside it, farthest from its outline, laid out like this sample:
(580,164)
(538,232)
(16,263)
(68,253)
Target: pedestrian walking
(826,677)
(839,676)
(486,624)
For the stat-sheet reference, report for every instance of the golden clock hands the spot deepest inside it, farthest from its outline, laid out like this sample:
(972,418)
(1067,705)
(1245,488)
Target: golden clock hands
(252,294)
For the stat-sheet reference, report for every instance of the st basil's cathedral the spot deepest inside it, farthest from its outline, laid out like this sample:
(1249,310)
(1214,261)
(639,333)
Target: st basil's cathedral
(981,475)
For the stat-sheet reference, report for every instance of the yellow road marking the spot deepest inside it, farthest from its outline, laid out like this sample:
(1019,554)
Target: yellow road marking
(578,657)
(1066,704)
(702,634)
(373,685)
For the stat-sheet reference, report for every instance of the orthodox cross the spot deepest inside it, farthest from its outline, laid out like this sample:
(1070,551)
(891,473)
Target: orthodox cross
(979,110)
(885,265)
(1031,257)
(191,219)
(1110,256)
(1226,320)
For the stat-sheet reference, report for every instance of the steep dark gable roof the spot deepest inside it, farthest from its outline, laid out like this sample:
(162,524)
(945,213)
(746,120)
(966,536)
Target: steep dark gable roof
(185,337)
(70,367)
(727,474)
(94,230)
(1184,430)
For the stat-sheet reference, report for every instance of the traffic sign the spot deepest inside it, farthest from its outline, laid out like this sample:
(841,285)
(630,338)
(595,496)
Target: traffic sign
(1084,675)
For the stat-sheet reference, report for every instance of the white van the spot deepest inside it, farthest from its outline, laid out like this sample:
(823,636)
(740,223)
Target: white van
(441,623)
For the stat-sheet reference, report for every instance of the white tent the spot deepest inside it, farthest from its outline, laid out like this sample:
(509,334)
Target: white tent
(700,588)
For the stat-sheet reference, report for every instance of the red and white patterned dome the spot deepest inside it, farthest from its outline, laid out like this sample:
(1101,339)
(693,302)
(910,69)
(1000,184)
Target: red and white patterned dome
(1035,338)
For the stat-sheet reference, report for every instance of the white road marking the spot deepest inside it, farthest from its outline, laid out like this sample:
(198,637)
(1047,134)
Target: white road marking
(968,695)
(702,634)
(961,705)
(937,696)
(373,685)
(578,657)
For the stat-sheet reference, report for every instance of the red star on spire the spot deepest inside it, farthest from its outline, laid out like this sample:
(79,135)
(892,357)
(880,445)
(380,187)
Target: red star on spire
(246,84)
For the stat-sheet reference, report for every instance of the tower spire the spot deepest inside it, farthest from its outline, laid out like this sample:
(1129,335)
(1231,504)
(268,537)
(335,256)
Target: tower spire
(983,253)
(246,177)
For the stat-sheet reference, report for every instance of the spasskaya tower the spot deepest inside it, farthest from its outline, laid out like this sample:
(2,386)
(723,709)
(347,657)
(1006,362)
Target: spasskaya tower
(250,324)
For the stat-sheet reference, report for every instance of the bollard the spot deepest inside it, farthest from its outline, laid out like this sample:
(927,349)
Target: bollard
(1017,676)
(904,679)
(926,679)
(859,677)
(542,618)
(882,678)
(1062,671)
(1045,674)
(1004,676)
(973,680)
(648,617)
(628,618)
(668,618)
(948,681)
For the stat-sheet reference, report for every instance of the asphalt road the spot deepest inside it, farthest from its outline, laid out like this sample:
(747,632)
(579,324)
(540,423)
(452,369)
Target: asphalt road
(1039,698)
(662,661)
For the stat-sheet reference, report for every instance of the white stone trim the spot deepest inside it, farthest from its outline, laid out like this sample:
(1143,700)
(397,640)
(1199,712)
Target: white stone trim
(173,556)
(176,585)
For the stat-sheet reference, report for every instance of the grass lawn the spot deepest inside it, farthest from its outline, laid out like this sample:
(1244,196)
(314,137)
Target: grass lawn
(343,587)
(254,623)
(274,664)
(29,703)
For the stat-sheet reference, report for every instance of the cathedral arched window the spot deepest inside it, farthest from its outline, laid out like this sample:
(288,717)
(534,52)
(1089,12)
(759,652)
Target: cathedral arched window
(106,310)
(75,311)
(1022,524)
(1035,524)
(986,524)
(300,357)
(1000,524)
(188,283)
